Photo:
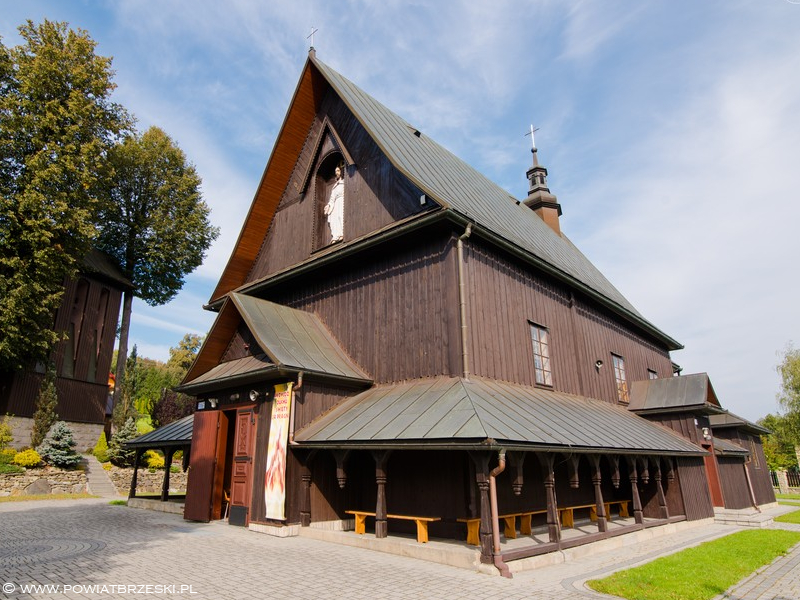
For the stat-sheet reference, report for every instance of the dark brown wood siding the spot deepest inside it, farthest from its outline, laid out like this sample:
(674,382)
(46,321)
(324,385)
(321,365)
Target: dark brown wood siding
(88,313)
(313,400)
(757,465)
(504,297)
(395,313)
(682,424)
(734,483)
(694,486)
(376,194)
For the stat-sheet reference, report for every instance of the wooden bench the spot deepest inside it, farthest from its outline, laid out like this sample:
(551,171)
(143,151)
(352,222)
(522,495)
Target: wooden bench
(509,525)
(422,522)
(623,508)
(568,513)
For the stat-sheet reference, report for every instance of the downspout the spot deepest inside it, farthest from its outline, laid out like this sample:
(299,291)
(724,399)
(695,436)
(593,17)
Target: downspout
(498,557)
(291,422)
(750,485)
(462,302)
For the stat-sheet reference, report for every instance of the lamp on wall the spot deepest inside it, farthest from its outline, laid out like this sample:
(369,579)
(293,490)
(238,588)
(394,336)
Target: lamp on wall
(598,363)
(212,402)
(706,433)
(254,395)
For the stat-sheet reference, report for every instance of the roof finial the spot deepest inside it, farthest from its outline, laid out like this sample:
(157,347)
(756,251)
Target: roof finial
(533,144)
(311,37)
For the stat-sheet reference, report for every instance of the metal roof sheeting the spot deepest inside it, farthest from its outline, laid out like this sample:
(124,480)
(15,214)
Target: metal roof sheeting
(726,448)
(455,412)
(177,433)
(454,184)
(688,392)
(728,419)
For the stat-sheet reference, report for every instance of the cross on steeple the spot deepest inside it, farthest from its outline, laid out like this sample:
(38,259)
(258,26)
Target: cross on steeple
(533,141)
(311,35)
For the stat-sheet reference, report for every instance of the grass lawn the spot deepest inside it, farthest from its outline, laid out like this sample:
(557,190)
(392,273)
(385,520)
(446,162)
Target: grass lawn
(702,572)
(787,496)
(26,498)
(792,517)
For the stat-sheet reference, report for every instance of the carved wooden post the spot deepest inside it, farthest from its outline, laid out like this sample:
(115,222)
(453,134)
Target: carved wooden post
(381,459)
(341,457)
(553,525)
(613,460)
(572,463)
(600,507)
(644,471)
(168,452)
(481,460)
(137,458)
(517,459)
(637,501)
(663,511)
(305,497)
(670,469)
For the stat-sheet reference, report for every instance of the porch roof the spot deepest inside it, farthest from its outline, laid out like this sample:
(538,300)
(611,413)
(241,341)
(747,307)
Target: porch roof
(728,419)
(459,413)
(725,448)
(177,433)
(687,393)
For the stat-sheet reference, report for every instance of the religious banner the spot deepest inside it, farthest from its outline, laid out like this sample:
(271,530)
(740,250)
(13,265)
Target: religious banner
(275,479)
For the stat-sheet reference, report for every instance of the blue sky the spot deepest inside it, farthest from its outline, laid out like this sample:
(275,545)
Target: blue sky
(670,130)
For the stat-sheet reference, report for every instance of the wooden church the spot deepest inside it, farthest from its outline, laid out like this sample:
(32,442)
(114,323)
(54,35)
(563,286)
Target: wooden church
(404,348)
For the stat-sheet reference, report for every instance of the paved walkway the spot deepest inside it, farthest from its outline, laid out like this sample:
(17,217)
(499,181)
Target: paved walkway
(90,543)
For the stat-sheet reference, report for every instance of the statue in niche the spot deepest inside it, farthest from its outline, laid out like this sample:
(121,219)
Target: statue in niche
(334,209)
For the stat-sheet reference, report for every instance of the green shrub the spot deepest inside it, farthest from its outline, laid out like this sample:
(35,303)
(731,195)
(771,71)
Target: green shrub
(4,468)
(153,460)
(28,458)
(107,466)
(118,454)
(7,456)
(101,448)
(58,448)
(6,433)
(46,403)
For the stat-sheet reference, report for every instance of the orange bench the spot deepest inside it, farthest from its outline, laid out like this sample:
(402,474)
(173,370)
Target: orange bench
(509,525)
(422,522)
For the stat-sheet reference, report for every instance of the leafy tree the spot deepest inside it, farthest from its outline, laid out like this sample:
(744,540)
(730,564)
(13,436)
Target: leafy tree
(118,454)
(155,222)
(58,448)
(172,406)
(46,405)
(126,408)
(789,370)
(778,445)
(56,124)
(6,433)
(154,377)
(182,356)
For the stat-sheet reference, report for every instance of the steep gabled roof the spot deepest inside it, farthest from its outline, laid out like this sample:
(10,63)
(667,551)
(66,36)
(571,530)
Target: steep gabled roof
(445,178)
(688,393)
(454,412)
(292,341)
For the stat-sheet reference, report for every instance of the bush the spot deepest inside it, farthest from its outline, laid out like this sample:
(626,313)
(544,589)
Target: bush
(118,454)
(46,404)
(58,448)
(4,468)
(107,466)
(7,456)
(171,407)
(153,460)
(6,433)
(28,458)
(101,448)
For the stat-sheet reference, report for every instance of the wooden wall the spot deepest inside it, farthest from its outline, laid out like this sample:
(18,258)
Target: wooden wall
(88,313)
(376,194)
(694,487)
(734,483)
(757,465)
(394,312)
(681,423)
(504,297)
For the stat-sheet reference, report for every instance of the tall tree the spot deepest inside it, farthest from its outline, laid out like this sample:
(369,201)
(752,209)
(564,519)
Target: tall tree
(56,124)
(182,356)
(155,223)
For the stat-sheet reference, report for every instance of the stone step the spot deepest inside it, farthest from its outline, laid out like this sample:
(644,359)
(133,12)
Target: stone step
(746,517)
(99,482)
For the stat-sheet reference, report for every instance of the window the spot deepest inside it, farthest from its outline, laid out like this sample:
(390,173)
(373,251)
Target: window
(541,355)
(652,374)
(619,376)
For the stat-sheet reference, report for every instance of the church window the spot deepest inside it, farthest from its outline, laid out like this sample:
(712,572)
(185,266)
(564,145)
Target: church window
(621,379)
(541,355)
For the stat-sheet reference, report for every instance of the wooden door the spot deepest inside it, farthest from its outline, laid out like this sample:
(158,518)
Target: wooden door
(202,464)
(241,477)
(712,472)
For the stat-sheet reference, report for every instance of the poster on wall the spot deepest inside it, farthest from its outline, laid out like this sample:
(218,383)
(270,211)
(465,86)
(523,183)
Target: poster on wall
(275,480)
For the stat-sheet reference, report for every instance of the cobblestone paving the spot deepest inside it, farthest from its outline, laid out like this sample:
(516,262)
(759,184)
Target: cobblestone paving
(85,543)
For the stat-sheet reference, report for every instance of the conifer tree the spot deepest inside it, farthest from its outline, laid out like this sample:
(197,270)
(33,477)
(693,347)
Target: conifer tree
(46,405)
(58,448)
(118,454)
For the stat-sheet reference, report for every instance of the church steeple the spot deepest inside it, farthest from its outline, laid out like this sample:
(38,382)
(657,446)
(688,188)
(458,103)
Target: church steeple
(539,199)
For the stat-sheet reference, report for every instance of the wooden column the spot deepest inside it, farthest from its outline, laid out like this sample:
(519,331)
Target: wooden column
(517,460)
(481,460)
(573,460)
(553,525)
(168,452)
(305,496)
(136,460)
(381,459)
(637,501)
(663,511)
(341,476)
(613,460)
(600,507)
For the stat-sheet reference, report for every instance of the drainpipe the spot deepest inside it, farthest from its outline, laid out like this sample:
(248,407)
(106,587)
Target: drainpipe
(498,557)
(462,301)
(750,486)
(291,422)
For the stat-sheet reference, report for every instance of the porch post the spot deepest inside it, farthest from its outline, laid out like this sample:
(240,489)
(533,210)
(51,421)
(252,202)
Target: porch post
(305,496)
(341,476)
(637,501)
(137,458)
(381,459)
(600,507)
(553,525)
(481,460)
(168,452)
(517,459)
(662,499)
